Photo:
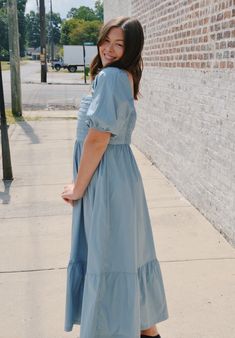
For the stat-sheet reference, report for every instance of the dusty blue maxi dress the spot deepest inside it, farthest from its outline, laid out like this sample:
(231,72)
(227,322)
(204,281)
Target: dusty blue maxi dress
(114,281)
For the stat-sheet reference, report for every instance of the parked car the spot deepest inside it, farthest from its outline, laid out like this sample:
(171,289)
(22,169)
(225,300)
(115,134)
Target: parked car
(58,64)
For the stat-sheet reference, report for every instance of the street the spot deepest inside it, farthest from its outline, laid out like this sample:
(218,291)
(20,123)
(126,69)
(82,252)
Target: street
(63,90)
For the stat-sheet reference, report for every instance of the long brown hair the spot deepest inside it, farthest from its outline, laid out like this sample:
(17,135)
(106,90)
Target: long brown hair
(133,46)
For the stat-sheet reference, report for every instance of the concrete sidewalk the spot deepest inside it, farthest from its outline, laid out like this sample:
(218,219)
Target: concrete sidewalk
(197,263)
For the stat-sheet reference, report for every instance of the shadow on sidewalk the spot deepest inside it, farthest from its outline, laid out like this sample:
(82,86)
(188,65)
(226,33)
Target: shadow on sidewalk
(26,127)
(5,196)
(29,131)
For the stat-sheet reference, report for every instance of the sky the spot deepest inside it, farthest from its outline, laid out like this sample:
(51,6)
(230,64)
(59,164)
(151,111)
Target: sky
(60,6)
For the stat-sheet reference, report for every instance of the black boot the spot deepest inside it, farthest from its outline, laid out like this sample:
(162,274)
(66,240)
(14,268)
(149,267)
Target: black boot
(144,336)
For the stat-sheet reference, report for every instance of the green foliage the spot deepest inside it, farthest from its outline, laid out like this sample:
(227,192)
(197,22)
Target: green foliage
(33,29)
(99,10)
(87,71)
(82,13)
(53,26)
(4,26)
(67,27)
(4,48)
(75,32)
(21,4)
(83,25)
(4,54)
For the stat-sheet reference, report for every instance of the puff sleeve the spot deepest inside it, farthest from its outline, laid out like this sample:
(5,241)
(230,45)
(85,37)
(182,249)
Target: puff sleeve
(108,107)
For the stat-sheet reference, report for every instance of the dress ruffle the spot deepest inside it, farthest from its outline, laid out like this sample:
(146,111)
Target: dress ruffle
(114,291)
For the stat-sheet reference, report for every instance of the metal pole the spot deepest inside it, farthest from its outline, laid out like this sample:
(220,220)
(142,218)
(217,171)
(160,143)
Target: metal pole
(84,61)
(6,156)
(43,42)
(14,49)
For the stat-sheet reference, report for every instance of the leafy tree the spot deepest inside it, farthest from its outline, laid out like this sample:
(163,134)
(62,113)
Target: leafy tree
(33,29)
(21,4)
(99,10)
(75,32)
(82,24)
(67,27)
(4,26)
(4,48)
(85,32)
(53,26)
(82,13)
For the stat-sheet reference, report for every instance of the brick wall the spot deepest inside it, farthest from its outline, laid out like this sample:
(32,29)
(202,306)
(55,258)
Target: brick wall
(115,8)
(186,116)
(188,33)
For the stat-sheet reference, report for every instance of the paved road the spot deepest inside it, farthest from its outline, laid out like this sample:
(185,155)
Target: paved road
(63,90)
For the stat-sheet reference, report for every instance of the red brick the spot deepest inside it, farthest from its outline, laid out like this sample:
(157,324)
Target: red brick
(222,64)
(231,44)
(230,64)
(232,23)
(219,17)
(227,34)
(223,44)
(227,14)
(185,33)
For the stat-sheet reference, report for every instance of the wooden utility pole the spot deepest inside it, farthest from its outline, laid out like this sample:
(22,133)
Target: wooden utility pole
(6,156)
(16,101)
(43,42)
(51,32)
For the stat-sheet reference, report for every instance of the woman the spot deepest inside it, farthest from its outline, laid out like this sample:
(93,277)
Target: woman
(114,285)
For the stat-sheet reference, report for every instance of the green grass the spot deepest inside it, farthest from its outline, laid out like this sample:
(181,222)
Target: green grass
(26,58)
(11,118)
(6,64)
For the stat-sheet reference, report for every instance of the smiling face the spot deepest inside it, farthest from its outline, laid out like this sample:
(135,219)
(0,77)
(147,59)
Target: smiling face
(112,48)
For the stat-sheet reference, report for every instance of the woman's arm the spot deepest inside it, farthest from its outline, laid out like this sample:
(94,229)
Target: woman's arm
(93,149)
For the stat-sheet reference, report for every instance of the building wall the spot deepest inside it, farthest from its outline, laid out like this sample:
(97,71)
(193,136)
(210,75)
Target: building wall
(116,8)
(186,115)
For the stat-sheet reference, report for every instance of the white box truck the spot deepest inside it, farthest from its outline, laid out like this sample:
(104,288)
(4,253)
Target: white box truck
(75,56)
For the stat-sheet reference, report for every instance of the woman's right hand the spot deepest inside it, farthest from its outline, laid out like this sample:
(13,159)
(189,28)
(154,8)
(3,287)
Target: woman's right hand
(68,201)
(71,194)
